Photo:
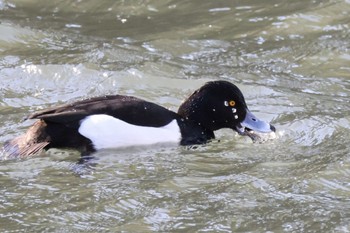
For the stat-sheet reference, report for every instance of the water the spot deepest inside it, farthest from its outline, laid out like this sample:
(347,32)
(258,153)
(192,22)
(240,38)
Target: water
(291,60)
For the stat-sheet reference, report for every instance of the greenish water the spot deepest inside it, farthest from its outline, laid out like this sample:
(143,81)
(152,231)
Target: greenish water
(291,60)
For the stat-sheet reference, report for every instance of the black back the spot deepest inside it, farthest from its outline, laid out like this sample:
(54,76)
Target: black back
(129,109)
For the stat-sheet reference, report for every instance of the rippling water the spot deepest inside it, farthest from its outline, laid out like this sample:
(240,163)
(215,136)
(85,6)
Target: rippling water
(291,60)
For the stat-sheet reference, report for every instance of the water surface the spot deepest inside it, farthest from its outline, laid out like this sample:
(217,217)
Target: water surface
(291,60)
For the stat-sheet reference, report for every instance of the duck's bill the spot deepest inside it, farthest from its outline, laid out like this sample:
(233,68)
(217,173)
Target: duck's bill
(252,127)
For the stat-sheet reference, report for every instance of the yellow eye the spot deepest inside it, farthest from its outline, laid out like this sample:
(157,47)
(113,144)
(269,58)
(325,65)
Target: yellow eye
(232,103)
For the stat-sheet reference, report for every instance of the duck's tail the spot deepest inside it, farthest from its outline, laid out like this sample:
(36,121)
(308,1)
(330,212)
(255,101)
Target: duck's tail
(30,143)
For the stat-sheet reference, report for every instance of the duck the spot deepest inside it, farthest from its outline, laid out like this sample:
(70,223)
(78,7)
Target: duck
(115,121)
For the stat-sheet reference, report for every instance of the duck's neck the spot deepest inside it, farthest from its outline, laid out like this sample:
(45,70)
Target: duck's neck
(192,123)
(194,133)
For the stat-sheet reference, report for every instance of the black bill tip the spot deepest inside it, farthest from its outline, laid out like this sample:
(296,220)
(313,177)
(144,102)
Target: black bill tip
(273,128)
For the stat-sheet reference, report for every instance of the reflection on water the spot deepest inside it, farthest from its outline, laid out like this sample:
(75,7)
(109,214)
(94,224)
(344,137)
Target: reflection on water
(291,60)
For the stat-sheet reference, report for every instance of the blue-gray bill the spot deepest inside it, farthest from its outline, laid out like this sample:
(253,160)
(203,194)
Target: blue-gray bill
(251,126)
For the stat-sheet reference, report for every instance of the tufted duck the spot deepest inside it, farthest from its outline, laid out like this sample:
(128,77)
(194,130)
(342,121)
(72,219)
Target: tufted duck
(118,121)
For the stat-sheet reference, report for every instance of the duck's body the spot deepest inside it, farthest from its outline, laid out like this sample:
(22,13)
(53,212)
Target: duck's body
(119,121)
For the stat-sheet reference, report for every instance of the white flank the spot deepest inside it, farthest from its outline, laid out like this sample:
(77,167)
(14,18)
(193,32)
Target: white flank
(108,132)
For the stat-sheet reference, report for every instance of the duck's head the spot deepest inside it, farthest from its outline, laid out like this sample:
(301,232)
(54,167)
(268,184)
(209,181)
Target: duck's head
(220,104)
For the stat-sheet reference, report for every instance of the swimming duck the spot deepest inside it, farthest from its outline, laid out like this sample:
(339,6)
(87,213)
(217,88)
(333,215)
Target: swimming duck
(119,121)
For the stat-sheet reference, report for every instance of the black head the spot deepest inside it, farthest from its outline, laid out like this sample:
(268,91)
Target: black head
(220,104)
